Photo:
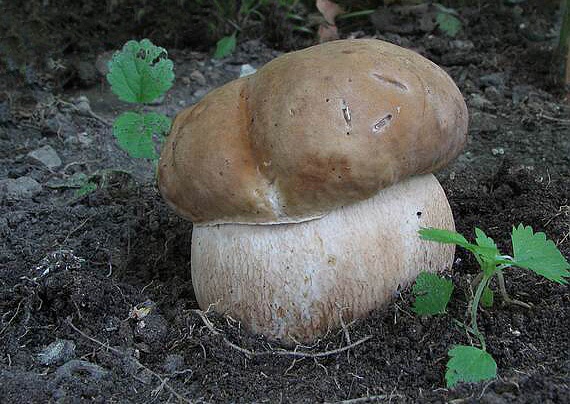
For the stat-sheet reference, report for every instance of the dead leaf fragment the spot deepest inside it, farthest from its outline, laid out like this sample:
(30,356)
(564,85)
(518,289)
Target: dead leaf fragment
(329,10)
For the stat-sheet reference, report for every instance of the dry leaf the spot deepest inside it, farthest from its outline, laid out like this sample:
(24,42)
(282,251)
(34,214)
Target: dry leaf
(329,10)
(327,33)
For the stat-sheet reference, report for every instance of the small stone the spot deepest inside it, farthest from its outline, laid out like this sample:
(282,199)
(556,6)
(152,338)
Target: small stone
(198,77)
(80,369)
(47,156)
(59,124)
(480,102)
(83,106)
(198,94)
(59,351)
(493,79)
(462,45)
(84,139)
(521,93)
(20,188)
(246,70)
(493,93)
(152,330)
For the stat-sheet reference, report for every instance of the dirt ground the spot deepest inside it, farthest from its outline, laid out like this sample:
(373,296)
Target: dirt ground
(73,268)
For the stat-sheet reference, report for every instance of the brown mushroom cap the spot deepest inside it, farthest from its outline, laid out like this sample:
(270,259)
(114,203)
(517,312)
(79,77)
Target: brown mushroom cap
(311,131)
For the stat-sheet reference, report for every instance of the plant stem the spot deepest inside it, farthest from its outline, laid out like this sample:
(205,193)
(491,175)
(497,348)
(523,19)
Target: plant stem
(475,307)
(505,295)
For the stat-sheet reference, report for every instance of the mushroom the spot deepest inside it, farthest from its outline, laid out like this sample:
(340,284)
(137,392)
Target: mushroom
(307,182)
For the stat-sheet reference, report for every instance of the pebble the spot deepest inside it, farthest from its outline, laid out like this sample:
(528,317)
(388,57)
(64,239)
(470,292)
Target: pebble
(493,93)
(462,45)
(246,70)
(521,93)
(47,156)
(58,124)
(480,102)
(76,368)
(20,188)
(201,92)
(198,77)
(59,351)
(493,79)
(152,330)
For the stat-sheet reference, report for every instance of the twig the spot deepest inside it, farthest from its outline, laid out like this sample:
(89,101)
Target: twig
(553,119)
(367,399)
(163,381)
(296,354)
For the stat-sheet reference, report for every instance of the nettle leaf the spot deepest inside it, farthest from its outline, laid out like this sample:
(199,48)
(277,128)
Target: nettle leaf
(225,46)
(483,240)
(448,23)
(140,72)
(469,364)
(533,251)
(444,236)
(432,294)
(488,297)
(136,133)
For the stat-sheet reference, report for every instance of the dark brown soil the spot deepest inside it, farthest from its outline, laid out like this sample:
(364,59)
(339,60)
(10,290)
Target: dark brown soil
(121,246)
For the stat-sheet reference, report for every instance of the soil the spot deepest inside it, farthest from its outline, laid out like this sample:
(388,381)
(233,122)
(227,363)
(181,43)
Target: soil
(84,271)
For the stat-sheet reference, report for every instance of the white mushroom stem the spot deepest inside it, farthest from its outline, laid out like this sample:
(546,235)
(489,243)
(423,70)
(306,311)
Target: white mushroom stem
(288,281)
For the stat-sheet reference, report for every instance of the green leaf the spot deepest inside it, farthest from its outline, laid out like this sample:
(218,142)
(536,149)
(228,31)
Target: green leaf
(469,364)
(87,188)
(136,133)
(361,13)
(488,297)
(444,236)
(432,294)
(77,180)
(448,23)
(140,72)
(533,251)
(225,46)
(483,240)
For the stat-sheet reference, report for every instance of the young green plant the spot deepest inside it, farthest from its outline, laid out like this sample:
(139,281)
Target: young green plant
(140,73)
(531,251)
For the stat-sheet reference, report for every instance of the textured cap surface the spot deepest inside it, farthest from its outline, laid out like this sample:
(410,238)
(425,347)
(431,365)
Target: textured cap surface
(311,131)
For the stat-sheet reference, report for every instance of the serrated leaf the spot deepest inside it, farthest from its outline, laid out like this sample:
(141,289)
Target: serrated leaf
(483,240)
(488,297)
(140,72)
(136,133)
(469,364)
(225,46)
(444,236)
(432,294)
(533,251)
(448,23)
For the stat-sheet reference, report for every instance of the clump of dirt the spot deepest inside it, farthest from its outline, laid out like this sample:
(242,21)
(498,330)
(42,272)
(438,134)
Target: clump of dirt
(96,297)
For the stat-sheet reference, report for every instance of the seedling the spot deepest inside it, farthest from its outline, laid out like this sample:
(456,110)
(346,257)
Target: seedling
(532,251)
(140,73)
(448,21)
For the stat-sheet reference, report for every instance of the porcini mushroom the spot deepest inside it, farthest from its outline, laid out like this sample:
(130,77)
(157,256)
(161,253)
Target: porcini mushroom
(308,180)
